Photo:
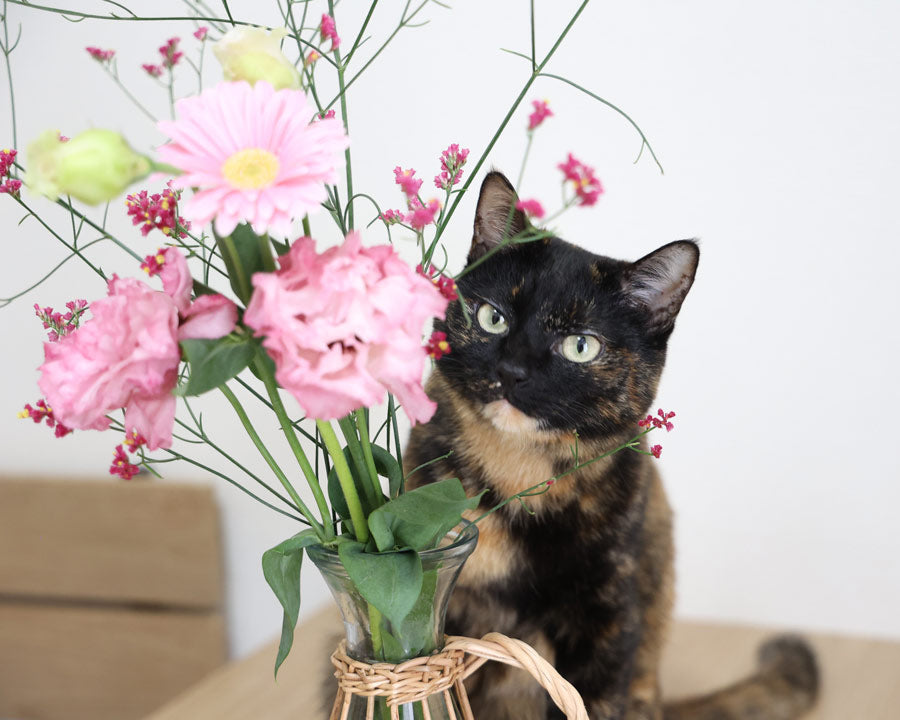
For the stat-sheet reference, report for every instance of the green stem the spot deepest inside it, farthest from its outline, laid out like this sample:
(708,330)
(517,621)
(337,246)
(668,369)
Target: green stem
(265,252)
(524,161)
(307,230)
(240,281)
(481,160)
(360,527)
(363,426)
(207,441)
(270,461)
(115,425)
(392,413)
(375,619)
(348,429)
(287,428)
(6,52)
(343,95)
(59,237)
(134,100)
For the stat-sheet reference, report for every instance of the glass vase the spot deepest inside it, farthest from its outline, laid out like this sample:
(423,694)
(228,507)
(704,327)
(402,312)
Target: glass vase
(372,638)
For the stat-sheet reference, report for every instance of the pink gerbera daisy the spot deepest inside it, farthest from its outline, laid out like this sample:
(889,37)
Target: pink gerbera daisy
(253,155)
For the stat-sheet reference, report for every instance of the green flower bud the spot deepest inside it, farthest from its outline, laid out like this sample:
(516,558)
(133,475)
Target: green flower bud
(93,167)
(252,54)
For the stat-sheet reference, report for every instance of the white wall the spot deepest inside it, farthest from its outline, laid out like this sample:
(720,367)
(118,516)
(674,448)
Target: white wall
(777,127)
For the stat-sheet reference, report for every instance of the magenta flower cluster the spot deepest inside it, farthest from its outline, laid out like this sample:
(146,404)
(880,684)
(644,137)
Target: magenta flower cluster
(421,214)
(41,412)
(60,324)
(452,161)
(10,185)
(101,56)
(532,208)
(587,186)
(157,211)
(662,419)
(170,55)
(541,112)
(328,31)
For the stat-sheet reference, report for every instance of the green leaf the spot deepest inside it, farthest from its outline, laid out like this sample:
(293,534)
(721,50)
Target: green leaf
(389,581)
(214,362)
(267,361)
(415,634)
(387,466)
(281,567)
(241,253)
(419,518)
(282,248)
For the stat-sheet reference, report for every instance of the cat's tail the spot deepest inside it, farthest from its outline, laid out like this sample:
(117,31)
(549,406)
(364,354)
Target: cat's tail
(785,686)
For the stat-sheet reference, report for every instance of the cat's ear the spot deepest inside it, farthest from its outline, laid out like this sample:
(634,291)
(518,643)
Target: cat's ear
(493,221)
(659,282)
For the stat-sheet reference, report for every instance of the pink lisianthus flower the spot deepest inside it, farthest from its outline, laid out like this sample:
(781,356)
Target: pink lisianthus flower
(345,325)
(127,354)
(254,156)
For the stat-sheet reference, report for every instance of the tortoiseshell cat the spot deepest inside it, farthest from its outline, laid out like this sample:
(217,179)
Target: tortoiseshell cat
(562,340)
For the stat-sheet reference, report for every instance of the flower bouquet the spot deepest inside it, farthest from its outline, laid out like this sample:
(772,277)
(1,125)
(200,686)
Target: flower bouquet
(241,300)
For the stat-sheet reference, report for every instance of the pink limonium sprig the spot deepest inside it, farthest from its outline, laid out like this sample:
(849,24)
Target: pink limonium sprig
(158,211)
(584,182)
(8,185)
(101,56)
(106,60)
(540,113)
(328,31)
(41,412)
(452,161)
(60,324)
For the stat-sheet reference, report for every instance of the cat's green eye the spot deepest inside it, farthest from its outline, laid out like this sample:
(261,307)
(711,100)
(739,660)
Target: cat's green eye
(580,348)
(491,319)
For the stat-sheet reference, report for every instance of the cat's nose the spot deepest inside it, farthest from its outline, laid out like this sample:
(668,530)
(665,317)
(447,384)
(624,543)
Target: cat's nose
(511,373)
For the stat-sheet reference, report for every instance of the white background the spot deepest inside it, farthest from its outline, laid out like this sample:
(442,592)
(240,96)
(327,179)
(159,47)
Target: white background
(777,127)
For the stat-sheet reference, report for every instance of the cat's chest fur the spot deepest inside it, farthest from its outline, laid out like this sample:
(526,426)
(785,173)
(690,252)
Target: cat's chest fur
(565,542)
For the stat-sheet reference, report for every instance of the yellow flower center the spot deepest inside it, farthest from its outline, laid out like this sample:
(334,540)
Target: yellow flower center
(251,168)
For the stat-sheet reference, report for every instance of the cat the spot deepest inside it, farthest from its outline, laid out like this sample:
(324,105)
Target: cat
(555,341)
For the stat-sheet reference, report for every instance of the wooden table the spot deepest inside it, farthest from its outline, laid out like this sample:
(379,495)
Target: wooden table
(860,677)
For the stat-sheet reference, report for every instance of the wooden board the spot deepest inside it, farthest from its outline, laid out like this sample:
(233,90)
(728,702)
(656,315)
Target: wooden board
(100,663)
(860,676)
(109,540)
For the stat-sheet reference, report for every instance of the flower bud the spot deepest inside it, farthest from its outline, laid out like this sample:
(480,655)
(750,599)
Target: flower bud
(252,54)
(93,167)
